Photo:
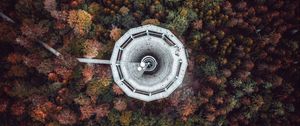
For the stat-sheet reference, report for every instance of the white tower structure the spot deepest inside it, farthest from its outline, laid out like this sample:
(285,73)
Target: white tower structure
(148,62)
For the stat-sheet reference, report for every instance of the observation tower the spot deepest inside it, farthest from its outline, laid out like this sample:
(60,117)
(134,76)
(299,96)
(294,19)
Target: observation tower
(148,62)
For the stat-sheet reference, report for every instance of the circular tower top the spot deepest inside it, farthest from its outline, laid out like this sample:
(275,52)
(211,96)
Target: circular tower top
(148,62)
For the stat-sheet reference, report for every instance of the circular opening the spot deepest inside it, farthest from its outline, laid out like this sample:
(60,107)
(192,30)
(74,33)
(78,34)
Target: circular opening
(149,63)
